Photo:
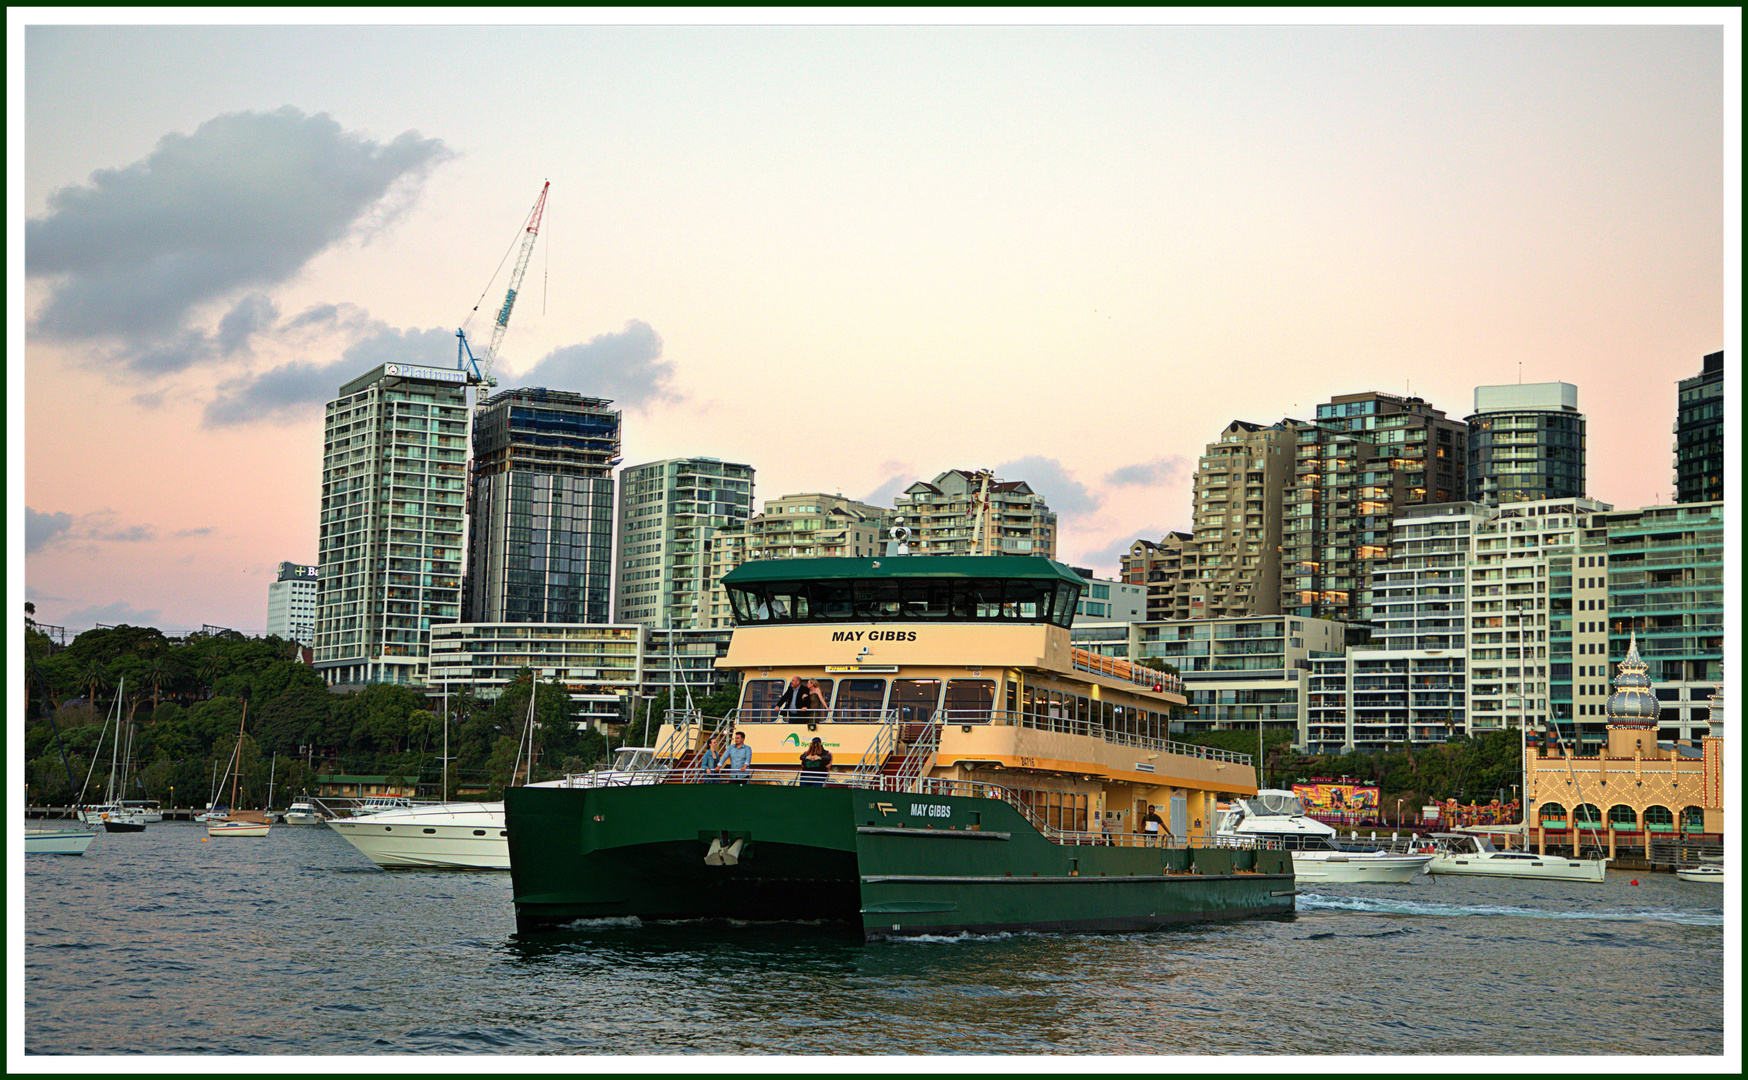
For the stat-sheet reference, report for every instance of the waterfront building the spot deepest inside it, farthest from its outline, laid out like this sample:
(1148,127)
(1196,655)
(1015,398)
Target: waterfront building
(1664,587)
(1242,672)
(669,512)
(964,512)
(1367,456)
(1634,790)
(1699,434)
(394,460)
(601,666)
(540,509)
(291,604)
(1108,599)
(684,661)
(1526,442)
(808,525)
(1472,627)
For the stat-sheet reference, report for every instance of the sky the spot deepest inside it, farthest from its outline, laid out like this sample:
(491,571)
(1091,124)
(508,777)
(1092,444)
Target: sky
(850,250)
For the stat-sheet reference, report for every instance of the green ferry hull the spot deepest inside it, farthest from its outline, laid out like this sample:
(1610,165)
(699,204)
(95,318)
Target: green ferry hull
(881,863)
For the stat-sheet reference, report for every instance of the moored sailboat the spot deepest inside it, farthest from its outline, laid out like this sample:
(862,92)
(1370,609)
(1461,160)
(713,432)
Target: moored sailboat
(239,823)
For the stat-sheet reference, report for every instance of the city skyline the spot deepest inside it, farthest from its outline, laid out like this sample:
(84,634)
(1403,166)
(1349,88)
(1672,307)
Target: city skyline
(851,257)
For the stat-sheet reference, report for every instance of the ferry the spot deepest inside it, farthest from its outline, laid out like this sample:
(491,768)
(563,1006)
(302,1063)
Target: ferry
(985,775)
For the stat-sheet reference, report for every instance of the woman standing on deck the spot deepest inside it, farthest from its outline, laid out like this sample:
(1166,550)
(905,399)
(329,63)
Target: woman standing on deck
(816,762)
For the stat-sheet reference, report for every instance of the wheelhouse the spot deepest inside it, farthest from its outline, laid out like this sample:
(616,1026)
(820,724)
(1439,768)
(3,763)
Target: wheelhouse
(905,588)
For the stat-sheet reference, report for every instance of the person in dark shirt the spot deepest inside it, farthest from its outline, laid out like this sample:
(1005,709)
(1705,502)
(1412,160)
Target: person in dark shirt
(791,701)
(816,763)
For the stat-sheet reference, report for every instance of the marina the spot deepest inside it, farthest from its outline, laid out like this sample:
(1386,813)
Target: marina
(337,957)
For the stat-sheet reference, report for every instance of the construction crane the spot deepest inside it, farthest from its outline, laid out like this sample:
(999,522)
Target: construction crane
(482,365)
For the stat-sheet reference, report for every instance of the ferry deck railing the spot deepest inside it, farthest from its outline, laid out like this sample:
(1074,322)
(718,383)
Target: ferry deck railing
(885,741)
(939,786)
(1125,670)
(1066,725)
(922,754)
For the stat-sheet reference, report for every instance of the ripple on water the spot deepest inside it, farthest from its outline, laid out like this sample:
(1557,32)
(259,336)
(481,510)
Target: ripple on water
(338,957)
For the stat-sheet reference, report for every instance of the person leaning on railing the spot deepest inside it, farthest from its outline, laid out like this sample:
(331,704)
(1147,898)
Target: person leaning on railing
(738,763)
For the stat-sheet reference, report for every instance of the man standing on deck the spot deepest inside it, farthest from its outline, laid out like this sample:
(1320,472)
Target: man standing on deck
(740,759)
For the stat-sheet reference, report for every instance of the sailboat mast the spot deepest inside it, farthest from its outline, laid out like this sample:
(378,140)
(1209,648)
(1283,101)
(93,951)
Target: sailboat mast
(237,777)
(115,745)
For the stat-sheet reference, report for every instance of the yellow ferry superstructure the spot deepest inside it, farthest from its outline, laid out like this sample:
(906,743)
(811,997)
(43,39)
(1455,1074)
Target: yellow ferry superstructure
(1018,705)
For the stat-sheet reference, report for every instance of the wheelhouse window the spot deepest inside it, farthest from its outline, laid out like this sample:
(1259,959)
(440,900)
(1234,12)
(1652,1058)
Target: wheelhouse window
(906,600)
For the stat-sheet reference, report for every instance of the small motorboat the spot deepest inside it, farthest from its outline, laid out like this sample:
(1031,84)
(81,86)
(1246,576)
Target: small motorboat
(123,820)
(302,812)
(1713,874)
(237,828)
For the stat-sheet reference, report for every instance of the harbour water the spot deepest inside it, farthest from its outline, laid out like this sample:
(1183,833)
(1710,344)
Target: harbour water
(163,944)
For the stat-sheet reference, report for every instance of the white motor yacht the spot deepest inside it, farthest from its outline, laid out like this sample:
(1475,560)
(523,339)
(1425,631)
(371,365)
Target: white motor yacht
(1276,818)
(467,835)
(302,812)
(1461,853)
(1713,874)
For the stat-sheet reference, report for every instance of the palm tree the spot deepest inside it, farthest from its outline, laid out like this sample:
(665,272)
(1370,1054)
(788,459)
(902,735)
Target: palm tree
(210,663)
(158,672)
(93,676)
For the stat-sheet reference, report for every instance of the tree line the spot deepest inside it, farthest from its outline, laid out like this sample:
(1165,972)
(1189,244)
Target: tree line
(184,700)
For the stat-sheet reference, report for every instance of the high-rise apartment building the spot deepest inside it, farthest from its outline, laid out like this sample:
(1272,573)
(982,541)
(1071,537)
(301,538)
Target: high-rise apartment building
(291,604)
(809,525)
(1664,582)
(540,509)
(394,476)
(1699,434)
(1526,442)
(973,513)
(1158,566)
(1230,566)
(1367,456)
(1470,631)
(669,511)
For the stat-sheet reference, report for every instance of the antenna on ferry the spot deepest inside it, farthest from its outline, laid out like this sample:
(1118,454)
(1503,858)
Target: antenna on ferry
(899,544)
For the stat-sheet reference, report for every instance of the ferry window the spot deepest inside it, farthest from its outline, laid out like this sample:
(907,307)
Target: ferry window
(830,599)
(789,602)
(970,701)
(916,699)
(1027,600)
(1066,600)
(978,598)
(759,697)
(924,599)
(1082,717)
(860,699)
(1013,697)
